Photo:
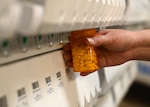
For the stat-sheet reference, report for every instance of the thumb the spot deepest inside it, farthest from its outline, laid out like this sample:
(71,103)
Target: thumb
(100,40)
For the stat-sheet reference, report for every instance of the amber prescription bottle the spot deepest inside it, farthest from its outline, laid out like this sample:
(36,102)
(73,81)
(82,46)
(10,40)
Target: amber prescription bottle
(84,56)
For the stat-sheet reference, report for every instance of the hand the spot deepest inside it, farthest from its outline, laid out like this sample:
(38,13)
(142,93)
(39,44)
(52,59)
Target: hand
(114,47)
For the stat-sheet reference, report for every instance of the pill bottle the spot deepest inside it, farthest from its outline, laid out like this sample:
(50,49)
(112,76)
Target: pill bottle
(84,57)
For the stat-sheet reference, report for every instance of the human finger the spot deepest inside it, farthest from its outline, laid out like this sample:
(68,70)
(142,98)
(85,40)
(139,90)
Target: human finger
(84,73)
(67,47)
(100,40)
(67,56)
(69,64)
(68,59)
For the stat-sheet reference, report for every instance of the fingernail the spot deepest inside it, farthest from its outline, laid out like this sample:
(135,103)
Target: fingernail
(90,40)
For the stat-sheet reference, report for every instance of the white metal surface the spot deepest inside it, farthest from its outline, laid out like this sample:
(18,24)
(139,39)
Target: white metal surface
(10,13)
(119,89)
(52,16)
(65,89)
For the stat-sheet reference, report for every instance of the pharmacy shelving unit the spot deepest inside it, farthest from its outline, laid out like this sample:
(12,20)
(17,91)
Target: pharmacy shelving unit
(32,69)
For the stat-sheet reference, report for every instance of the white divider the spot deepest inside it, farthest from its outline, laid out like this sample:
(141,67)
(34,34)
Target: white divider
(90,13)
(109,13)
(30,18)
(104,14)
(114,15)
(70,16)
(123,11)
(122,7)
(54,14)
(82,13)
(9,19)
(98,13)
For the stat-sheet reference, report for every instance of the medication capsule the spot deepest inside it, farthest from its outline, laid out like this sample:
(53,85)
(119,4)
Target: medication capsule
(84,57)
